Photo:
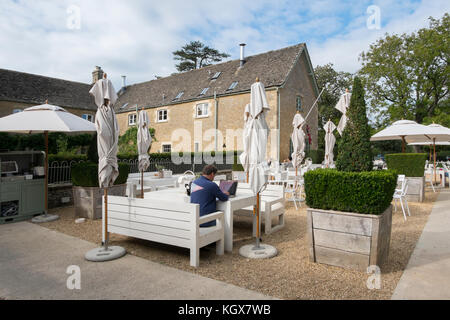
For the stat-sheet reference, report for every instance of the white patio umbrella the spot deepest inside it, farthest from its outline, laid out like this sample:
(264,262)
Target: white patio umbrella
(401,130)
(144,141)
(330,140)
(342,106)
(44,119)
(243,157)
(436,133)
(256,131)
(108,170)
(298,141)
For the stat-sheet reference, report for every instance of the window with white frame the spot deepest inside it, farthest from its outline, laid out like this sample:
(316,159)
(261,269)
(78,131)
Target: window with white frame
(233,85)
(204,91)
(178,95)
(196,146)
(132,118)
(299,103)
(88,117)
(162,115)
(166,147)
(201,110)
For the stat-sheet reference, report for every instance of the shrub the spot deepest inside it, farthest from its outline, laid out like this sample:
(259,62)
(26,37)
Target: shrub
(85,174)
(354,152)
(316,156)
(92,153)
(361,192)
(442,155)
(66,157)
(409,164)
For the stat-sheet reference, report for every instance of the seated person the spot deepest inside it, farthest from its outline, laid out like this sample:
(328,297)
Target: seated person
(204,191)
(287,163)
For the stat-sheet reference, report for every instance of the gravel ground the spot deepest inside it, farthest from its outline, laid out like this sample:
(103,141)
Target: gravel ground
(289,275)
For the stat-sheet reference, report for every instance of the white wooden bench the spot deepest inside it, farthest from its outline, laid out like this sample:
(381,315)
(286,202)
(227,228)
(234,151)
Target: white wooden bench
(172,223)
(272,206)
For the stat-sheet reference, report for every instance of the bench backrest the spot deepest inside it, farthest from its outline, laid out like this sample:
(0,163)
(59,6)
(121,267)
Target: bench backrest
(161,221)
(270,191)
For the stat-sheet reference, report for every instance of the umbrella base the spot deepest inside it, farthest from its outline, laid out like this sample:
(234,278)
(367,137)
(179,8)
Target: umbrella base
(264,251)
(45,218)
(101,254)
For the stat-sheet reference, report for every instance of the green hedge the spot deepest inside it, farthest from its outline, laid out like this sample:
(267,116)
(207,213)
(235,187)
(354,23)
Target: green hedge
(316,156)
(361,192)
(442,155)
(409,164)
(85,174)
(66,157)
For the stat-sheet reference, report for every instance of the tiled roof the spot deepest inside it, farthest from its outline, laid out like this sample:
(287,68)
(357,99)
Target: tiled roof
(271,67)
(32,88)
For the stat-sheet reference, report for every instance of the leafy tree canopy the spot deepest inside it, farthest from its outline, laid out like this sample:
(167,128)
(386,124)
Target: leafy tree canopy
(195,55)
(407,76)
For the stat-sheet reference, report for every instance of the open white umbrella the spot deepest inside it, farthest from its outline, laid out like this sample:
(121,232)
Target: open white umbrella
(330,140)
(401,130)
(44,119)
(144,141)
(257,132)
(108,169)
(342,106)
(298,141)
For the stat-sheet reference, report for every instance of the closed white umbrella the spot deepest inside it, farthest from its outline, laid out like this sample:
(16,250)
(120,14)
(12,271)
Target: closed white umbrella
(243,157)
(144,141)
(342,106)
(330,140)
(257,131)
(44,119)
(298,141)
(108,169)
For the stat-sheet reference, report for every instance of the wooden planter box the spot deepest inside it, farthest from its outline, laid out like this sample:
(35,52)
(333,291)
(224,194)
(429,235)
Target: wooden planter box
(416,189)
(88,200)
(349,240)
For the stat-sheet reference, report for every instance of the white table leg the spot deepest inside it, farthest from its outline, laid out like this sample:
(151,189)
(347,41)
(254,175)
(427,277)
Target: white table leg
(228,217)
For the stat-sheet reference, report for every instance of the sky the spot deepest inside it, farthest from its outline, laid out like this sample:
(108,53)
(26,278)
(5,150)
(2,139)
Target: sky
(67,38)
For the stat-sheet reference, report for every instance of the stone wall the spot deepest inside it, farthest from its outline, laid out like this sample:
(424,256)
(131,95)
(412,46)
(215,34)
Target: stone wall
(60,196)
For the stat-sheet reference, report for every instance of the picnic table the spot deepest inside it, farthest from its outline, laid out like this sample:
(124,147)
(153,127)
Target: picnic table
(242,199)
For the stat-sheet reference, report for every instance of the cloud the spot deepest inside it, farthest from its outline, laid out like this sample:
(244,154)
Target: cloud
(137,38)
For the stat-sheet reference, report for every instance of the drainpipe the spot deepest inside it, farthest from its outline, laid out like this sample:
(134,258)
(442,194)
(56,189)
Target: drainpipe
(216,119)
(279,123)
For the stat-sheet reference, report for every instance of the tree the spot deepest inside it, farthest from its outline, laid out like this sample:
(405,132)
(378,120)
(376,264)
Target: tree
(195,55)
(407,75)
(128,141)
(354,148)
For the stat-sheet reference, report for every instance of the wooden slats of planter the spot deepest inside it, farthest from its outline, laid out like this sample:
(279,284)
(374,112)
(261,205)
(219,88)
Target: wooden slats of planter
(349,240)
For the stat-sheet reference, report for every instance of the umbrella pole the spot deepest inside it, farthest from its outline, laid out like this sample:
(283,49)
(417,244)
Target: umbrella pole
(434,158)
(257,222)
(247,176)
(142,184)
(106,219)
(403,144)
(46,171)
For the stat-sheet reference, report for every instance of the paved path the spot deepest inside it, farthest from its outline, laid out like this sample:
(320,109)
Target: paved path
(34,261)
(427,275)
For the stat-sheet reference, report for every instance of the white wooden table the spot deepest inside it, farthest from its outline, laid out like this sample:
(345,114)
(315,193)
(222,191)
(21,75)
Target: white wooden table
(151,182)
(241,200)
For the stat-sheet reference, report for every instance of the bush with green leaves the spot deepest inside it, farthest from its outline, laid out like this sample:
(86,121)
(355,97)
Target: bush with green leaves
(355,153)
(409,164)
(316,156)
(85,174)
(360,192)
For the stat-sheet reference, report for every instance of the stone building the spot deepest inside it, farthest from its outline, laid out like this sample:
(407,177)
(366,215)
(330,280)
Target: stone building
(202,109)
(19,90)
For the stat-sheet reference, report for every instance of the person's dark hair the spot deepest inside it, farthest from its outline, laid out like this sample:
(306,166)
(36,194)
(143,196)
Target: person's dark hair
(290,158)
(207,170)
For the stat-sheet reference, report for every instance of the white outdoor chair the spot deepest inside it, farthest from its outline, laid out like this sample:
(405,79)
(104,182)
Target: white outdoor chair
(220,177)
(429,178)
(400,195)
(293,191)
(240,176)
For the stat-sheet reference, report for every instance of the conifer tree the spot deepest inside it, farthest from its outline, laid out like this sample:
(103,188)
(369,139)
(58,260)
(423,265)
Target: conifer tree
(354,149)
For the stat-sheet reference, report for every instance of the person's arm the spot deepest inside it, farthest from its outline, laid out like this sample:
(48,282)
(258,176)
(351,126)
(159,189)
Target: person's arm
(219,194)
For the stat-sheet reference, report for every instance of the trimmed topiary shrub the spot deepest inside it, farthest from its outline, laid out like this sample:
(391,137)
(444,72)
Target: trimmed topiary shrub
(360,192)
(85,174)
(409,164)
(354,152)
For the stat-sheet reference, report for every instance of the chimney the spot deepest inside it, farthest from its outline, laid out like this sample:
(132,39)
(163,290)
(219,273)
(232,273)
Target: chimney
(124,81)
(97,74)
(242,59)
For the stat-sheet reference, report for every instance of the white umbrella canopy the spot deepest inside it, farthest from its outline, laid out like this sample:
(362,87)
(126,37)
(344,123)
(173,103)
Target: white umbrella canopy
(401,130)
(430,143)
(330,140)
(144,140)
(342,106)
(435,132)
(257,132)
(298,140)
(107,132)
(44,118)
